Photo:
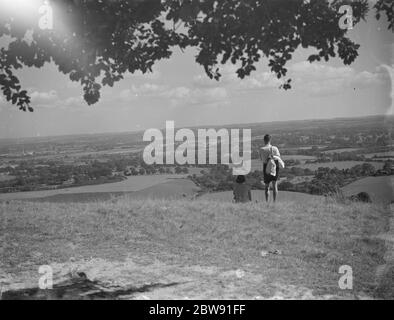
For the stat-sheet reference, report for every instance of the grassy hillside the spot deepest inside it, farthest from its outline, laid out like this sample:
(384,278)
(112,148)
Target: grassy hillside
(379,188)
(258,195)
(198,249)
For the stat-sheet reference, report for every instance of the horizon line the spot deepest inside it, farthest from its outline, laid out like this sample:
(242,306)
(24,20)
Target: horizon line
(193,127)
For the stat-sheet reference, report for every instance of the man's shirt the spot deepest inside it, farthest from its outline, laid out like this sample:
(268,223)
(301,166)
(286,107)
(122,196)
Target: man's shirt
(265,152)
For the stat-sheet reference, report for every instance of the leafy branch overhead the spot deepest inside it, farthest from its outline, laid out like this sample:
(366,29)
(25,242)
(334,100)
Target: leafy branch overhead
(95,42)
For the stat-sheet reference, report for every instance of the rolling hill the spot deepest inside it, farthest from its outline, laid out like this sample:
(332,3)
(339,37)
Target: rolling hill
(379,188)
(131,248)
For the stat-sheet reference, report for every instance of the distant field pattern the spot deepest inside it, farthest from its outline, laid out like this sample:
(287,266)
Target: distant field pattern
(131,184)
(379,188)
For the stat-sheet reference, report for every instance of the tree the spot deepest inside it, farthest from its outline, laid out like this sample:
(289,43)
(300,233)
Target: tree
(185,170)
(383,141)
(178,170)
(286,185)
(387,167)
(367,169)
(134,171)
(96,42)
(361,197)
(168,171)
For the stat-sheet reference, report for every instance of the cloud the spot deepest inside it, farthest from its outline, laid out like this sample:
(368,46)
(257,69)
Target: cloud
(176,96)
(73,84)
(320,79)
(147,88)
(155,75)
(392,54)
(261,80)
(52,100)
(144,90)
(44,97)
(72,102)
(217,93)
(315,78)
(228,76)
(178,93)
(309,70)
(230,79)
(196,96)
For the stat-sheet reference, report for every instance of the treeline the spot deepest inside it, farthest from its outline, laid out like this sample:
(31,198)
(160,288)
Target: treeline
(220,177)
(324,180)
(29,176)
(155,169)
(331,180)
(43,175)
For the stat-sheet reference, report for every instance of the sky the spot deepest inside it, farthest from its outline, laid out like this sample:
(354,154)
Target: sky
(179,90)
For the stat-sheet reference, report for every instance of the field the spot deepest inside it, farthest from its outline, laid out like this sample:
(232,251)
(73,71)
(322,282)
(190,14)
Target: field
(297,157)
(389,154)
(300,179)
(171,189)
(258,165)
(5,177)
(158,236)
(379,188)
(131,184)
(338,164)
(341,150)
(69,166)
(196,171)
(155,249)
(303,148)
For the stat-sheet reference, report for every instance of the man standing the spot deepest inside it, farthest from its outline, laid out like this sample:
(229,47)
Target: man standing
(270,157)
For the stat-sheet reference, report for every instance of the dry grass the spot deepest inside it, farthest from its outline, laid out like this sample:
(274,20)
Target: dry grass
(314,237)
(259,196)
(379,188)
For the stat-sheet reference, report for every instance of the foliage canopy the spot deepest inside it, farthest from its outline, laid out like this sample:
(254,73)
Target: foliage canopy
(95,42)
